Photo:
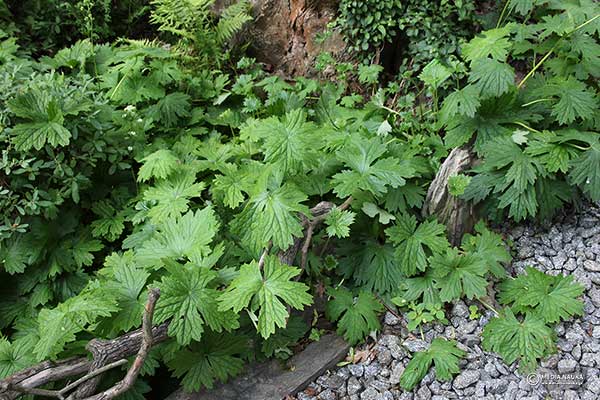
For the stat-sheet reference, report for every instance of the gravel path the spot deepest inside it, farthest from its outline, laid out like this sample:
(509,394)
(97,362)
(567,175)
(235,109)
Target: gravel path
(571,245)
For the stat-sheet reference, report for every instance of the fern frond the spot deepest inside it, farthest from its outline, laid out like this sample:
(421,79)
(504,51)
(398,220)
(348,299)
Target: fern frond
(232,20)
(180,16)
(141,43)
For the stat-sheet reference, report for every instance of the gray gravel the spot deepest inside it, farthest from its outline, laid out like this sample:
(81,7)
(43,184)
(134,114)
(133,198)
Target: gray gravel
(570,245)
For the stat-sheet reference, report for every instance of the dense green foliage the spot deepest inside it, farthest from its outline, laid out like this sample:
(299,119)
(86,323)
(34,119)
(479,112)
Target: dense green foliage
(537,133)
(140,164)
(46,26)
(423,30)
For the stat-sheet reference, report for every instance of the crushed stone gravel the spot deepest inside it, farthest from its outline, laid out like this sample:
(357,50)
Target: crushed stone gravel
(570,244)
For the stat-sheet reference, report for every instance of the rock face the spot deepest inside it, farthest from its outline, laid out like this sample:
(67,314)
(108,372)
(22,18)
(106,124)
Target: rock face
(284,33)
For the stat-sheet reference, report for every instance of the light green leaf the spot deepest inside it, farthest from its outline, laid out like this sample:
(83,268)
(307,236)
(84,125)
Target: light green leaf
(186,237)
(492,43)
(434,74)
(263,291)
(457,184)
(272,215)
(159,165)
(171,197)
(338,222)
(372,210)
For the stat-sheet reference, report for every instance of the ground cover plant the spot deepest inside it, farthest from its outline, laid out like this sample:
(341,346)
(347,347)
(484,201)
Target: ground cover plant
(170,164)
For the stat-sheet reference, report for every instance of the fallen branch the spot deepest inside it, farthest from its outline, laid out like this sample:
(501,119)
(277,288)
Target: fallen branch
(314,222)
(61,393)
(108,354)
(92,374)
(147,338)
(28,380)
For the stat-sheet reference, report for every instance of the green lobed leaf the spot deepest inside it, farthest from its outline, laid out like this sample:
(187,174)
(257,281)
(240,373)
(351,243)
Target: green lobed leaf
(434,74)
(263,290)
(338,222)
(272,215)
(525,341)
(585,171)
(574,100)
(458,275)
(411,240)
(372,265)
(492,43)
(367,170)
(442,353)
(185,237)
(356,317)
(14,357)
(492,78)
(216,357)
(490,247)
(464,101)
(551,298)
(188,299)
(159,165)
(171,197)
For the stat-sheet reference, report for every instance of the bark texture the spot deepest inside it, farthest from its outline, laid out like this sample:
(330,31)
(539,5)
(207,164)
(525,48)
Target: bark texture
(283,33)
(458,215)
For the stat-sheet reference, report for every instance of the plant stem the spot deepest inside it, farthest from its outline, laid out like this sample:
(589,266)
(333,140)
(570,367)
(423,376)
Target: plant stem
(502,13)
(489,307)
(539,64)
(536,66)
(535,102)
(526,127)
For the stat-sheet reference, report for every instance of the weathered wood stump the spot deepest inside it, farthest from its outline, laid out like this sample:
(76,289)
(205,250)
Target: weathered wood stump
(458,215)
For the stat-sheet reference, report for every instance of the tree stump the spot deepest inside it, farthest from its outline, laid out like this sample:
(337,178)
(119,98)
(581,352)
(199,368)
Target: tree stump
(458,215)
(283,33)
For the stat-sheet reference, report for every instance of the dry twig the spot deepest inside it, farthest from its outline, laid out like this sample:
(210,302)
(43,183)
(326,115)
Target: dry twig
(108,354)
(314,222)
(127,382)
(114,353)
